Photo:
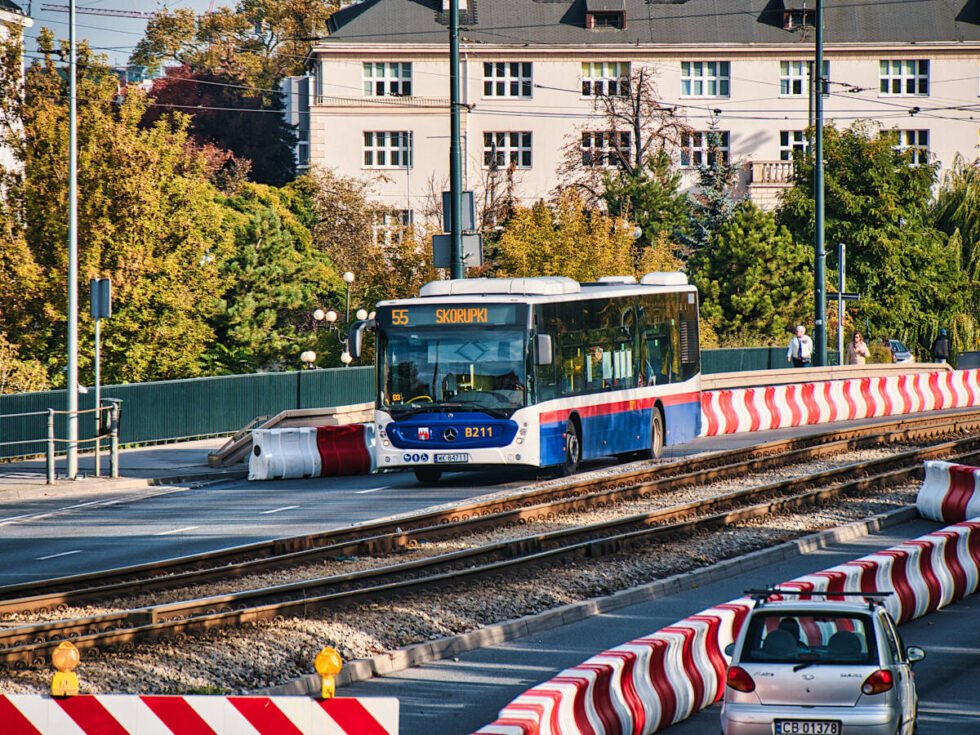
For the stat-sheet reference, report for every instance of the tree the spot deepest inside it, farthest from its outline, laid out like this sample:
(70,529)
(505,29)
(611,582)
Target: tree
(274,279)
(257,43)
(566,239)
(147,218)
(19,374)
(877,203)
(754,281)
(714,203)
(246,122)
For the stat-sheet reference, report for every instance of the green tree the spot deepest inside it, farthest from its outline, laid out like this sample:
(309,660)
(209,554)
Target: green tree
(755,282)
(877,203)
(714,202)
(565,239)
(147,218)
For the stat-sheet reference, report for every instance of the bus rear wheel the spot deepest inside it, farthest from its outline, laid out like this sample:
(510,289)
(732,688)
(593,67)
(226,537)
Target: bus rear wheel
(656,435)
(573,449)
(427,474)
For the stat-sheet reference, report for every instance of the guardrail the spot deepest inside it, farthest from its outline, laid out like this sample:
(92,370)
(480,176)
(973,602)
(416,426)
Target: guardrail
(110,428)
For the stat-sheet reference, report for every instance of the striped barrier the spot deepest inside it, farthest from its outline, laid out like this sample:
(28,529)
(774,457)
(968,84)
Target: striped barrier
(650,683)
(305,451)
(125,714)
(781,406)
(950,492)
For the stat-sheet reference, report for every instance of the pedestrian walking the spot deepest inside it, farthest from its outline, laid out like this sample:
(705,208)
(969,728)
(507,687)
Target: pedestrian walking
(940,347)
(800,348)
(857,350)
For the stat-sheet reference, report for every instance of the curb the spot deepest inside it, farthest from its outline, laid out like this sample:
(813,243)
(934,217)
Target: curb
(90,485)
(420,653)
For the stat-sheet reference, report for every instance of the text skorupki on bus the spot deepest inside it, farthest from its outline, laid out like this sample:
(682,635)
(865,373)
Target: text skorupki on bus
(542,372)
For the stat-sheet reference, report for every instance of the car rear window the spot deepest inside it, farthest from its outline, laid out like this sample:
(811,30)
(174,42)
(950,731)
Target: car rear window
(802,637)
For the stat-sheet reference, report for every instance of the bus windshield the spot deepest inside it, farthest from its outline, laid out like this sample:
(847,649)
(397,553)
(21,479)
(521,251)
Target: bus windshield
(463,368)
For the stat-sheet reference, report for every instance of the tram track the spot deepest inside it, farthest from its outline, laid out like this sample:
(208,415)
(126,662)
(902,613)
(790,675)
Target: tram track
(23,645)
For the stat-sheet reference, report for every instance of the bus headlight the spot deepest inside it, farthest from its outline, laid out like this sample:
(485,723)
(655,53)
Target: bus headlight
(386,443)
(520,441)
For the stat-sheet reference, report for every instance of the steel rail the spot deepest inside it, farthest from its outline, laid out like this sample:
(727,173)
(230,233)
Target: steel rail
(393,535)
(28,644)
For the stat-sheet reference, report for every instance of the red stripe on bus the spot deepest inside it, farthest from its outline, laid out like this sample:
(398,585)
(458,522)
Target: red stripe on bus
(178,715)
(604,409)
(264,716)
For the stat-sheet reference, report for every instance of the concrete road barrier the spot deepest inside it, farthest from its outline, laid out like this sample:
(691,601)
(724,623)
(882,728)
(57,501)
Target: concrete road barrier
(949,493)
(323,451)
(650,683)
(130,714)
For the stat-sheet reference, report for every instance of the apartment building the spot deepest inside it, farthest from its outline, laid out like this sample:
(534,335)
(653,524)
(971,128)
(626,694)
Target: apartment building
(378,102)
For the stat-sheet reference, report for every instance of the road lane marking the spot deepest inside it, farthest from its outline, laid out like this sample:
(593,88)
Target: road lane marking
(371,490)
(278,510)
(176,530)
(55,556)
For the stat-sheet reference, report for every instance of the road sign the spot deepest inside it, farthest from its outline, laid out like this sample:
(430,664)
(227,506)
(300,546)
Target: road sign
(471,244)
(467,214)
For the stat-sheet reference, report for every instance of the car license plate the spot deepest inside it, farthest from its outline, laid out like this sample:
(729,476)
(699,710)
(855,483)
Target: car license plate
(806,727)
(452,458)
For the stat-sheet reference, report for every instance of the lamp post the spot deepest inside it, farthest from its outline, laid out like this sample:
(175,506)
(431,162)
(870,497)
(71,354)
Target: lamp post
(307,357)
(348,279)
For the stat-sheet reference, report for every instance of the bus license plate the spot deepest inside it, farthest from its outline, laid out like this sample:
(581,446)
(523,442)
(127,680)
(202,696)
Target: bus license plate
(807,727)
(452,458)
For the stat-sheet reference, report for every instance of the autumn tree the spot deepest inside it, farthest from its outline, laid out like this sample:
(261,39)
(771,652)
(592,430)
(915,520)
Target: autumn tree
(226,115)
(147,218)
(565,239)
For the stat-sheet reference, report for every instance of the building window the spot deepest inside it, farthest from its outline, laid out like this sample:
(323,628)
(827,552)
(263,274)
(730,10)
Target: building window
(700,148)
(387,79)
(607,149)
(608,19)
(791,142)
(794,78)
(605,78)
(507,79)
(904,77)
(388,149)
(705,78)
(393,223)
(503,149)
(916,141)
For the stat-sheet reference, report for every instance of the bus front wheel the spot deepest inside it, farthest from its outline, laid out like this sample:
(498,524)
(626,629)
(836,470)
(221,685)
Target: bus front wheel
(573,449)
(427,474)
(656,435)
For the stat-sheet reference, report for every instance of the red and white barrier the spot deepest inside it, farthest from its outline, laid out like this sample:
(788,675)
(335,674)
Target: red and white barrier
(652,682)
(305,451)
(780,406)
(950,492)
(126,714)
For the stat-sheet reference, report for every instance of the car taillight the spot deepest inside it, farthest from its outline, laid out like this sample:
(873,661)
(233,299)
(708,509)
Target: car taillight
(880,681)
(739,679)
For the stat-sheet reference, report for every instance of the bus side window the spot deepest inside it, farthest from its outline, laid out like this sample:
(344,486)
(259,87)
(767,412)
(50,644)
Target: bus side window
(573,370)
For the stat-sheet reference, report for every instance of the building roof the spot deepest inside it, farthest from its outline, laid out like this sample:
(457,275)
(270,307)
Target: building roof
(699,22)
(7,5)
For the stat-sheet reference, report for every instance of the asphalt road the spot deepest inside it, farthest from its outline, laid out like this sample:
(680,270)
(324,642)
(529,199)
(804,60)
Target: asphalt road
(463,694)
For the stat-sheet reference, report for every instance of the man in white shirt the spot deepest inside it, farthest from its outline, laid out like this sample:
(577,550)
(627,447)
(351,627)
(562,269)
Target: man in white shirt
(800,348)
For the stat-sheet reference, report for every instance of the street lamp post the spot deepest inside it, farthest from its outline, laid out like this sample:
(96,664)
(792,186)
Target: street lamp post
(307,357)
(348,279)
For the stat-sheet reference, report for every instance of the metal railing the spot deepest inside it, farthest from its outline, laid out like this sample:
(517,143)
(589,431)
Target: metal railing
(108,427)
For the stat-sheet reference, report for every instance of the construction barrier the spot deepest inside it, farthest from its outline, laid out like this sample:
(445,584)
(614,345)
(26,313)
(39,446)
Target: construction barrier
(780,406)
(125,714)
(650,683)
(949,493)
(305,451)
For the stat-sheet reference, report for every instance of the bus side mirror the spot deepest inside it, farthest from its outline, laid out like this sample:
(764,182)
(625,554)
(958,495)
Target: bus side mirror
(545,357)
(356,337)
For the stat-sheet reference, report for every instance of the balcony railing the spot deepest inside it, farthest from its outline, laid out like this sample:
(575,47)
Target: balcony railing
(324,100)
(771,173)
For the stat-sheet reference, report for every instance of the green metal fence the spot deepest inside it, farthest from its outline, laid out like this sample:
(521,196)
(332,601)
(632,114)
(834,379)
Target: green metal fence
(178,409)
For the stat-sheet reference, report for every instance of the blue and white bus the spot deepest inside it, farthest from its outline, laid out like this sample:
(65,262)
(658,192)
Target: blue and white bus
(543,372)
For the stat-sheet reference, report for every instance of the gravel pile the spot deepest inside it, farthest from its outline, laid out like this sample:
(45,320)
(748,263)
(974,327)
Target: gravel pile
(241,660)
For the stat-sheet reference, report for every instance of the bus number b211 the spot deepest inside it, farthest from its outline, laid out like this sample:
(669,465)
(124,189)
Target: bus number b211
(471,432)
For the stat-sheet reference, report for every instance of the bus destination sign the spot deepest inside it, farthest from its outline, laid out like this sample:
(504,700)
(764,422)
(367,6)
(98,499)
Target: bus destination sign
(437,315)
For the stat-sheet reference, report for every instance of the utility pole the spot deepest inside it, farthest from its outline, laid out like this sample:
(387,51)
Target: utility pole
(820,255)
(72,252)
(455,159)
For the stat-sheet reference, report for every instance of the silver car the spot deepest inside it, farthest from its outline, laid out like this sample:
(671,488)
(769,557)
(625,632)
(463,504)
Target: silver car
(820,667)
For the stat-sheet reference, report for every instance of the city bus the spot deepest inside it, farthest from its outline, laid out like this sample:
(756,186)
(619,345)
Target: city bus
(541,372)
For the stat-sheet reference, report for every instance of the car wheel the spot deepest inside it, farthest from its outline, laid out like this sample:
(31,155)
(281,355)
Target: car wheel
(427,474)
(573,449)
(656,435)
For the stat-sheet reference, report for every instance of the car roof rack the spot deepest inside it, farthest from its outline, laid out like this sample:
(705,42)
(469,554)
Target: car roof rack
(761,596)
